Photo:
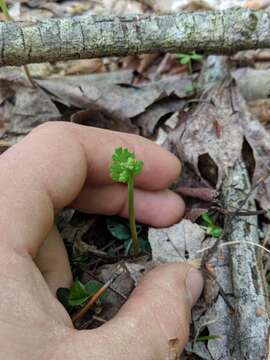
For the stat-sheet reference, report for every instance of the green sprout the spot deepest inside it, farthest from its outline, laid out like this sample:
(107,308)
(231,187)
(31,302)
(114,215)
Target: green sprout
(186,59)
(124,168)
(210,227)
(4,9)
(79,293)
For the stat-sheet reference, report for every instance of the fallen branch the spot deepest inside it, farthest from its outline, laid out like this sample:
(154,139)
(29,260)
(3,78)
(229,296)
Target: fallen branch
(216,32)
(249,332)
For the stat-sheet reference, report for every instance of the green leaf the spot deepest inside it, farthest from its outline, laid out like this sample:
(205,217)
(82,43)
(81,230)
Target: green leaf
(143,243)
(124,165)
(215,231)
(207,219)
(78,294)
(92,288)
(211,228)
(185,60)
(195,56)
(119,230)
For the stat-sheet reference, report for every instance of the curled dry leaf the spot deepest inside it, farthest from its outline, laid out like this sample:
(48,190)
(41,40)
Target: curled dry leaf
(155,113)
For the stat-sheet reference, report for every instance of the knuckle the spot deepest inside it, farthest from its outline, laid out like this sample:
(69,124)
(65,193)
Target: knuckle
(52,127)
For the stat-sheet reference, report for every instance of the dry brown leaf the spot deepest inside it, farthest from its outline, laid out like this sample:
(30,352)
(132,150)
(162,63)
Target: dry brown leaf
(112,93)
(260,109)
(23,108)
(179,242)
(254,84)
(86,66)
(154,114)
(211,139)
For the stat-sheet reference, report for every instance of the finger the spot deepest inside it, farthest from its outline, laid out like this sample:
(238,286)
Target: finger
(160,169)
(52,261)
(152,325)
(156,208)
(47,170)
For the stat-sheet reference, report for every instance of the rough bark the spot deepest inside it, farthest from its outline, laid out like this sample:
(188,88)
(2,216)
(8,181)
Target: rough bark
(96,36)
(248,335)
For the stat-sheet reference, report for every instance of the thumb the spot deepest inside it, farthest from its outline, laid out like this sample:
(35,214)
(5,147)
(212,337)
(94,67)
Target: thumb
(153,323)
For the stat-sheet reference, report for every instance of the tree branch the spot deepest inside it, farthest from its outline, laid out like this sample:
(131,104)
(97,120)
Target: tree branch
(249,331)
(96,36)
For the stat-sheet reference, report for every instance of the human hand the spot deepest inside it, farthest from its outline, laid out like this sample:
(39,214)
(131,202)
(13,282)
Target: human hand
(60,164)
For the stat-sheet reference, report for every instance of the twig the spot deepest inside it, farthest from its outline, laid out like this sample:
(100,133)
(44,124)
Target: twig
(92,301)
(244,212)
(235,243)
(231,216)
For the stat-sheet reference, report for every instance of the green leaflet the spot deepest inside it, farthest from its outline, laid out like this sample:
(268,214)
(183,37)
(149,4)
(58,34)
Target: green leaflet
(124,165)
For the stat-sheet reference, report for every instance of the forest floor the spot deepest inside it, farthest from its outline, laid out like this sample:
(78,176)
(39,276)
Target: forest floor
(212,126)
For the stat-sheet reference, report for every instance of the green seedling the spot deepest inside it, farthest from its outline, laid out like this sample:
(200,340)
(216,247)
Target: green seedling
(186,59)
(4,9)
(120,230)
(210,227)
(79,293)
(124,168)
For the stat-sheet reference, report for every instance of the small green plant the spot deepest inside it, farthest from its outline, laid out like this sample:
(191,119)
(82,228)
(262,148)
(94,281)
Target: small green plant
(186,59)
(4,9)
(119,228)
(79,293)
(210,227)
(124,168)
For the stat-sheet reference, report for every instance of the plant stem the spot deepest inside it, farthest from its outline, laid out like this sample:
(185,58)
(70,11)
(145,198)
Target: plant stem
(131,215)
(4,8)
(29,76)
(190,67)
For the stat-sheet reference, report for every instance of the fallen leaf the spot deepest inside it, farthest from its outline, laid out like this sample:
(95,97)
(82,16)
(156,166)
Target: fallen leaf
(254,84)
(23,108)
(176,243)
(86,66)
(155,113)
(260,109)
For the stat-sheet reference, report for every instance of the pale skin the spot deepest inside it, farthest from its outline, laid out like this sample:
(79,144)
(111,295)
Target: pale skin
(61,165)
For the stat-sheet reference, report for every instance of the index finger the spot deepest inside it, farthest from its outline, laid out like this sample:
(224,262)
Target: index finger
(160,166)
(47,169)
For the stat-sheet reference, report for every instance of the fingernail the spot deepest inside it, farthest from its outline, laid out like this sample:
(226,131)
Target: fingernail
(194,285)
